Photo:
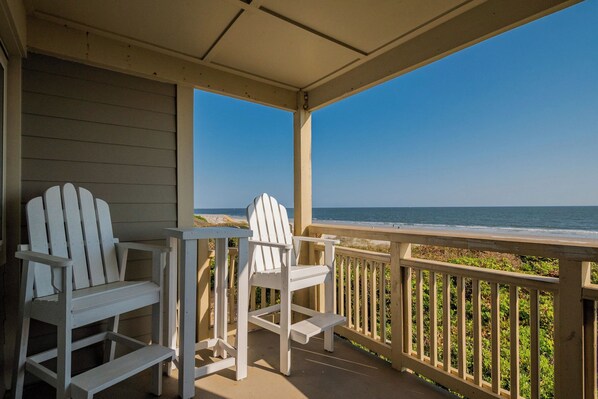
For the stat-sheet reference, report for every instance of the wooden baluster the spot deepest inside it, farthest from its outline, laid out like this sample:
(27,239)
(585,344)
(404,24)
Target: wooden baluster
(231,286)
(340,265)
(461,344)
(334,286)
(495,305)
(477,332)
(364,297)
(514,338)
(535,343)
(382,276)
(407,312)
(356,292)
(373,301)
(433,320)
(419,315)
(272,299)
(263,297)
(349,294)
(446,322)
(253,296)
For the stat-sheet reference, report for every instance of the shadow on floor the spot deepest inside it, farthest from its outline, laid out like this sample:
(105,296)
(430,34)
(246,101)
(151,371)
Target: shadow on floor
(347,373)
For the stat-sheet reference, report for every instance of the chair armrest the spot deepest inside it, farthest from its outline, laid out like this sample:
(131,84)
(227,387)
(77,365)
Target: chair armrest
(316,239)
(44,259)
(143,247)
(124,247)
(284,247)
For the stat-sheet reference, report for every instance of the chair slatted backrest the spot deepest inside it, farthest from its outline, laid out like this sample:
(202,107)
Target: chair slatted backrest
(269,222)
(70,223)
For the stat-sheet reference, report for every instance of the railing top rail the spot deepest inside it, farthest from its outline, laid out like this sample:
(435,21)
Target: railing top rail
(359,253)
(591,292)
(490,275)
(582,249)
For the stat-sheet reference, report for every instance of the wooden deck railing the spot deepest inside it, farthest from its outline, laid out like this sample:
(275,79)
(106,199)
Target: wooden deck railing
(436,318)
(363,297)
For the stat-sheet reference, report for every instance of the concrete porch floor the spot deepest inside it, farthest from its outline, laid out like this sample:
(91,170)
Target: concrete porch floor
(347,373)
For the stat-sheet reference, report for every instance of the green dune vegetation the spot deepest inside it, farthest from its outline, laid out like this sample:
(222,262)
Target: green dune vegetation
(497,261)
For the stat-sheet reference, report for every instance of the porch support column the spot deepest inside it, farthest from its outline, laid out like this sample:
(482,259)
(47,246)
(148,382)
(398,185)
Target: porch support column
(184,139)
(568,329)
(302,166)
(302,187)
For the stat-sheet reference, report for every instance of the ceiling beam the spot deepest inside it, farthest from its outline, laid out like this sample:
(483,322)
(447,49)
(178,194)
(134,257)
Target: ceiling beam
(473,26)
(77,45)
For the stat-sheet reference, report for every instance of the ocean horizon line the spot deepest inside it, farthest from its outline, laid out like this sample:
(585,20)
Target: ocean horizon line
(575,220)
(422,207)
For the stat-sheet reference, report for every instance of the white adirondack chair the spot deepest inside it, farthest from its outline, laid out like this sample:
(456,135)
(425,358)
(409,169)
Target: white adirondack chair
(72,275)
(274,254)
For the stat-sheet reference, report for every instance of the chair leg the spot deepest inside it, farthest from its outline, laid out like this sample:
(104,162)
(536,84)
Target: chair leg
(329,308)
(285,333)
(110,346)
(22,337)
(63,366)
(18,376)
(156,387)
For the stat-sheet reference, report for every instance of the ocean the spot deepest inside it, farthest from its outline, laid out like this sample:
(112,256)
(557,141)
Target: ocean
(572,221)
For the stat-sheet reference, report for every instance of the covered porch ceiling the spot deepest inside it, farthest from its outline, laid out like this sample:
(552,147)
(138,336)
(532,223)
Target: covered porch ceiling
(271,51)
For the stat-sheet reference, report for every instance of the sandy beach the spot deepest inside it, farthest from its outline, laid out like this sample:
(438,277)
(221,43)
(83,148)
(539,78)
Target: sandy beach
(345,241)
(221,218)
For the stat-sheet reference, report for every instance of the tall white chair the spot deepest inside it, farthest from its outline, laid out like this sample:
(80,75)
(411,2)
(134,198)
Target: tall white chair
(273,255)
(72,275)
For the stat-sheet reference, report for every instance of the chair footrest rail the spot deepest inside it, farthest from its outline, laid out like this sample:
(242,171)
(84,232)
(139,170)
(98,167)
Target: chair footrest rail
(85,385)
(302,331)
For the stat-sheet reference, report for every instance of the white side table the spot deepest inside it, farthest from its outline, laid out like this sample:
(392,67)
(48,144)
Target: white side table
(187,278)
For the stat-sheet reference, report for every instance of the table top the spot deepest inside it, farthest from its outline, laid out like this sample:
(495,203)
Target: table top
(203,233)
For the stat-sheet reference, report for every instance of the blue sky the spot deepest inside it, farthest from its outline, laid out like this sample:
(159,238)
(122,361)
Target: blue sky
(510,121)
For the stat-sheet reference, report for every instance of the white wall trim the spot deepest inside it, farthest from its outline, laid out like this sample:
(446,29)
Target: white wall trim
(13,209)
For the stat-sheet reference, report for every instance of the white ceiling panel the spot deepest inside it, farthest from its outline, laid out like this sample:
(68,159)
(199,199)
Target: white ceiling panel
(365,25)
(331,48)
(189,27)
(266,46)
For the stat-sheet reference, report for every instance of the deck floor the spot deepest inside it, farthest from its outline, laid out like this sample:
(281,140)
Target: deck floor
(348,373)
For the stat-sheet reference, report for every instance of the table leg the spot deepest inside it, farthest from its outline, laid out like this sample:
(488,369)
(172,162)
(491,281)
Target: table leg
(171,337)
(242,308)
(220,294)
(187,281)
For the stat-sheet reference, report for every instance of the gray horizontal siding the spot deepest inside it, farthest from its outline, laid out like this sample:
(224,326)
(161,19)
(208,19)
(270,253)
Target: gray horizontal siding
(82,151)
(68,108)
(75,88)
(42,63)
(88,172)
(113,193)
(113,134)
(94,132)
